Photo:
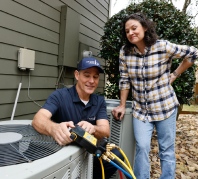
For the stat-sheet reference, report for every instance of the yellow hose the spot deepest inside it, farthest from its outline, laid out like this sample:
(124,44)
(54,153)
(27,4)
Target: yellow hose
(102,168)
(128,167)
(109,155)
(125,166)
(125,157)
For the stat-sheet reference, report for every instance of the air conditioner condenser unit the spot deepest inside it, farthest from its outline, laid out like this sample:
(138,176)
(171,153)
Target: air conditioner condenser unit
(122,131)
(26,154)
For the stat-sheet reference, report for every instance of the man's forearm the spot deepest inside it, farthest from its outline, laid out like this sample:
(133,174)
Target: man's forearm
(102,129)
(101,132)
(42,124)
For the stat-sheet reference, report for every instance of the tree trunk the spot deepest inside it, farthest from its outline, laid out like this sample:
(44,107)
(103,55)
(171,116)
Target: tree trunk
(179,110)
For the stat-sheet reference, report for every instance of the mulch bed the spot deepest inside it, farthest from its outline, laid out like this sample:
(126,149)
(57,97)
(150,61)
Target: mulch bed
(186,149)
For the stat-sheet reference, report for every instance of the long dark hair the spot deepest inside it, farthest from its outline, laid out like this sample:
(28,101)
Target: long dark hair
(150,36)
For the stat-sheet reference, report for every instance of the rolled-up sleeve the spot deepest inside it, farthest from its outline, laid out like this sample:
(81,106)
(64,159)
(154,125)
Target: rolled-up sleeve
(124,82)
(189,53)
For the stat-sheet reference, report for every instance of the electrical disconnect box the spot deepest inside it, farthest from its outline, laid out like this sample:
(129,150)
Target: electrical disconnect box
(26,59)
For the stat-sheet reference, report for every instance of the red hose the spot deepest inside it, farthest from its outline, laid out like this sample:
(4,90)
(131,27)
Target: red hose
(120,173)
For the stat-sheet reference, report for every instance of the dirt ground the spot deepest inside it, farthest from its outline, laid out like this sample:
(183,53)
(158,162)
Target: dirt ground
(186,149)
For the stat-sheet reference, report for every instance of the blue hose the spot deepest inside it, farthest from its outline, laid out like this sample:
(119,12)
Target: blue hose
(121,169)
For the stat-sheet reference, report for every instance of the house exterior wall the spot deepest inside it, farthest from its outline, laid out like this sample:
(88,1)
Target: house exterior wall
(35,25)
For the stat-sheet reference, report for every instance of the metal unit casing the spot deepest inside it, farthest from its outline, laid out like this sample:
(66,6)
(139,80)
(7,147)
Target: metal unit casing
(70,162)
(122,131)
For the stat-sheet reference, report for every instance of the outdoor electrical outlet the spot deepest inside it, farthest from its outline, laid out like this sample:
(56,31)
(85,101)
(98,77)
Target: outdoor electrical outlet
(26,59)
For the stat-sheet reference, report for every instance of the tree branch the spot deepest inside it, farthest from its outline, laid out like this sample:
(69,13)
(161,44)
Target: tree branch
(171,1)
(196,14)
(186,4)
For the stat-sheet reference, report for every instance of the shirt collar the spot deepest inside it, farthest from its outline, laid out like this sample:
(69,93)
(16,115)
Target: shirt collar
(146,50)
(74,94)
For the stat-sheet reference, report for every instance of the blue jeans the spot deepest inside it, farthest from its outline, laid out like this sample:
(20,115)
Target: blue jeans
(166,131)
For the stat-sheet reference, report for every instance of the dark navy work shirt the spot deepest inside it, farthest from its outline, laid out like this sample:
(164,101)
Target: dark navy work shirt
(65,105)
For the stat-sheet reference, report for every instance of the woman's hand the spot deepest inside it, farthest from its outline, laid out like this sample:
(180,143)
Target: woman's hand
(118,112)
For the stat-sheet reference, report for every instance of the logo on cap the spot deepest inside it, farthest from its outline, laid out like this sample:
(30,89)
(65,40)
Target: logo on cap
(89,62)
(93,62)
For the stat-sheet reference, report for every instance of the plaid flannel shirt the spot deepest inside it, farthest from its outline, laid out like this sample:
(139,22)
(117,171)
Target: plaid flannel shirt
(154,98)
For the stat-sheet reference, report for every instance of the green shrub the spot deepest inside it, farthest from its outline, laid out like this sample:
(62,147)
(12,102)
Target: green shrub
(171,24)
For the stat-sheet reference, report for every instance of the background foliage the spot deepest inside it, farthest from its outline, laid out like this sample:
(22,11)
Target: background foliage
(171,24)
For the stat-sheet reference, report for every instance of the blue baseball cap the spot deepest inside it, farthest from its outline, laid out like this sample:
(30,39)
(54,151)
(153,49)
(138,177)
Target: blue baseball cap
(89,62)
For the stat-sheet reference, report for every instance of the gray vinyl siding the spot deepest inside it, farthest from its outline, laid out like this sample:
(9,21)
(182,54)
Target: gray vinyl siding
(35,25)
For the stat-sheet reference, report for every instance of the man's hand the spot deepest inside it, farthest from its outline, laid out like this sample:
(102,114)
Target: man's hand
(60,132)
(88,127)
(118,112)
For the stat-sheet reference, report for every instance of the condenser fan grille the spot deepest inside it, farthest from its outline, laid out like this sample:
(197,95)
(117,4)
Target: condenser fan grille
(27,148)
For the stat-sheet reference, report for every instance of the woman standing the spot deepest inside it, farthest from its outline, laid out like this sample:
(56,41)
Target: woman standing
(145,64)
